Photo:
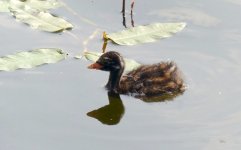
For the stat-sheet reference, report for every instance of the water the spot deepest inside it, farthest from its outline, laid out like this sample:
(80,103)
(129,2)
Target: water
(46,107)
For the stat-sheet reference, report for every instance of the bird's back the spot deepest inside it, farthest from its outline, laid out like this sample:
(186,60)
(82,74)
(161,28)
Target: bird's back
(152,80)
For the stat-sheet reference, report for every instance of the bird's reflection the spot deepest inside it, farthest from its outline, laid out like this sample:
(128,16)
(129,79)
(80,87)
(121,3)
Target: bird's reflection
(160,98)
(110,114)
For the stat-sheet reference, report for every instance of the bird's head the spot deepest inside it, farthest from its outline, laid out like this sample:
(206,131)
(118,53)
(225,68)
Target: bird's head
(109,61)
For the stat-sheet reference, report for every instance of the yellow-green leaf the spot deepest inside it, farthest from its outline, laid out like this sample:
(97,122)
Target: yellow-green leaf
(33,4)
(4,6)
(43,4)
(39,19)
(145,34)
(129,63)
(30,59)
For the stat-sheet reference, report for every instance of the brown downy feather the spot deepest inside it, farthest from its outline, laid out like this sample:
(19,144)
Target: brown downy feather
(153,80)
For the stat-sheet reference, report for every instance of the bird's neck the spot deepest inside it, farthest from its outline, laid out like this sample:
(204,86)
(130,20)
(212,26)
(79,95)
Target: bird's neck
(114,80)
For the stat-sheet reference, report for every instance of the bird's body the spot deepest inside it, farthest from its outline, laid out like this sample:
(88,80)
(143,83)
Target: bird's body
(152,80)
(145,81)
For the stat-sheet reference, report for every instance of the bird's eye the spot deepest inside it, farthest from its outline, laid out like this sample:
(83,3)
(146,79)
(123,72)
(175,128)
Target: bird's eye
(106,59)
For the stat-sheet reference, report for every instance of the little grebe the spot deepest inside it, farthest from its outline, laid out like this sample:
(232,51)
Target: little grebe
(147,80)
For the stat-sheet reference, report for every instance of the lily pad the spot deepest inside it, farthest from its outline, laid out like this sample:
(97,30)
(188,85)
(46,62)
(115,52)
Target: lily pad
(43,4)
(129,63)
(145,34)
(33,4)
(39,19)
(4,6)
(30,59)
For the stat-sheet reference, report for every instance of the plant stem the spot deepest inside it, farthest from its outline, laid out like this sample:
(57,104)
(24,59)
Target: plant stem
(132,7)
(105,42)
(123,6)
(124,13)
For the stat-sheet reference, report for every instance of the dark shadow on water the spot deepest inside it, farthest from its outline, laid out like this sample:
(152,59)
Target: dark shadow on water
(110,114)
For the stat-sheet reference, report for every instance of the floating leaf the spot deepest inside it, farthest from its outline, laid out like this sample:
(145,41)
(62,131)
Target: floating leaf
(129,63)
(43,4)
(34,4)
(40,19)
(145,34)
(4,6)
(92,56)
(31,59)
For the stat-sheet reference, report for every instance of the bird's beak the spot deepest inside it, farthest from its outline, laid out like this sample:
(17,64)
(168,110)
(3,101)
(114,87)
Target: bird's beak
(95,66)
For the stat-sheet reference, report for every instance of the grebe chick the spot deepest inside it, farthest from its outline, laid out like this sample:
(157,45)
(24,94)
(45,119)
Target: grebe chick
(146,81)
